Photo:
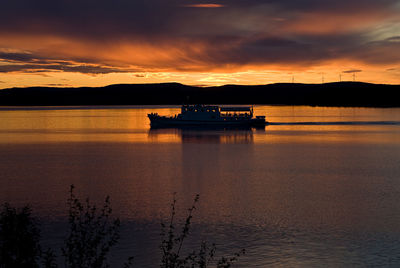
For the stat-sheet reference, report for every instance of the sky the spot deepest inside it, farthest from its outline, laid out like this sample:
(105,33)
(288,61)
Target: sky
(101,42)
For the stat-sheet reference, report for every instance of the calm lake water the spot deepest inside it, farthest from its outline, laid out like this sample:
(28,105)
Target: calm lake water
(319,187)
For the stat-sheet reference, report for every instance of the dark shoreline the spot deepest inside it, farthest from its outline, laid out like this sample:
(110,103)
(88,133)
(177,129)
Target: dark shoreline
(339,94)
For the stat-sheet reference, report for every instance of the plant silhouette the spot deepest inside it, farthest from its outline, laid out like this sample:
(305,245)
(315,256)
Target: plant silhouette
(172,244)
(92,232)
(19,238)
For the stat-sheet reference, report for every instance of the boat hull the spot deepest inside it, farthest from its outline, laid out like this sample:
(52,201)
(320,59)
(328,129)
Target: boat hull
(163,121)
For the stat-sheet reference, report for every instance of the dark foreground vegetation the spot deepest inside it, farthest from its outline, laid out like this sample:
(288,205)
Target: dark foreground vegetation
(91,235)
(355,94)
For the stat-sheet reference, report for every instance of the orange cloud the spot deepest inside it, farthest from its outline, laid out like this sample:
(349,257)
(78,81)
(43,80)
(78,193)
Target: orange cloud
(302,47)
(205,5)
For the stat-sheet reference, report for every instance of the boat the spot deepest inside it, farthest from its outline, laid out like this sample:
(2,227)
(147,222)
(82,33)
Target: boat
(209,116)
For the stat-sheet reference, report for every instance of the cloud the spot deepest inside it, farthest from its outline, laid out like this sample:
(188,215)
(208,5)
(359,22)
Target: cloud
(152,18)
(17,56)
(29,63)
(393,39)
(352,71)
(378,52)
(204,5)
(66,67)
(155,35)
(58,85)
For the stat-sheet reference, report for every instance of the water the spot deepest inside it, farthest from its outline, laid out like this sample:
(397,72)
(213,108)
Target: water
(318,187)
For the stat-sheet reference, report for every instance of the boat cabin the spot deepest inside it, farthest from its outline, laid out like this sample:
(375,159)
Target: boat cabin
(185,109)
(215,109)
(214,112)
(236,112)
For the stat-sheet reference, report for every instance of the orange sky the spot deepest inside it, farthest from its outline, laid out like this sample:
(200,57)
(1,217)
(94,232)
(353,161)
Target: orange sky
(79,43)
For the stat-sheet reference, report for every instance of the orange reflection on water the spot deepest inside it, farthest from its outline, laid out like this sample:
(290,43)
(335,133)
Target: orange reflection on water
(197,135)
(130,124)
(75,124)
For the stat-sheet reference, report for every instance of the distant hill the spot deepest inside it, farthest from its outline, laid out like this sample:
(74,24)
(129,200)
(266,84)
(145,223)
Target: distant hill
(329,94)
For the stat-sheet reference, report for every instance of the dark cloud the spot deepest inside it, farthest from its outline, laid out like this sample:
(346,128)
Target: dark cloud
(151,18)
(315,5)
(93,19)
(28,62)
(85,69)
(237,32)
(352,71)
(204,5)
(27,57)
(378,52)
(303,50)
(393,39)
(12,56)
(58,85)
(266,49)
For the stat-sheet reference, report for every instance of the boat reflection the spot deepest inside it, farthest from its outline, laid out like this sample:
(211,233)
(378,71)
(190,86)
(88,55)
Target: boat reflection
(204,134)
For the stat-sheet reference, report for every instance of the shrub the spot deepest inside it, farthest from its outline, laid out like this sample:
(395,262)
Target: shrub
(91,233)
(172,243)
(19,238)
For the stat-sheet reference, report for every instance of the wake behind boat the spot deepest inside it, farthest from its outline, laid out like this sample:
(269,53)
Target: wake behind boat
(209,116)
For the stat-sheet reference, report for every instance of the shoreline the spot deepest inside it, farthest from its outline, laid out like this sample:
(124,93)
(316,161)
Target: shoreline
(339,94)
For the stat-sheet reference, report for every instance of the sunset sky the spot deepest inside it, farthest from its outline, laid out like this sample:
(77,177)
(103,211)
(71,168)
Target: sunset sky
(101,42)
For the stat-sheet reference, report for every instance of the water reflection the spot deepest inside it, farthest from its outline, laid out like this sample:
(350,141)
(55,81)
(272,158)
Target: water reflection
(131,125)
(317,188)
(205,135)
